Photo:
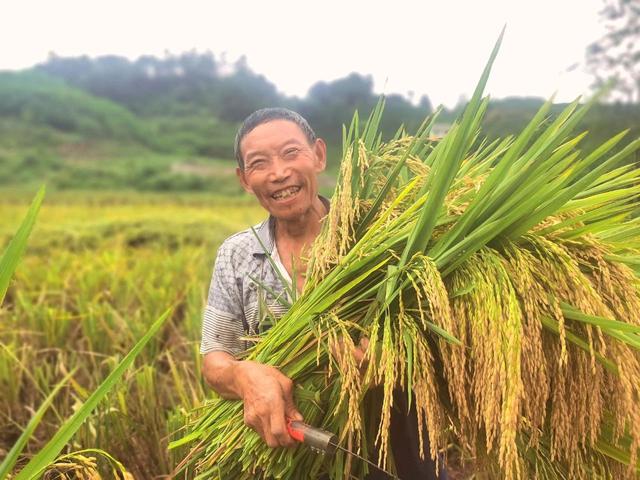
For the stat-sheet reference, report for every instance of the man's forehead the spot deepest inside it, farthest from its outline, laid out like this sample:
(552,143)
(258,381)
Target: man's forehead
(272,134)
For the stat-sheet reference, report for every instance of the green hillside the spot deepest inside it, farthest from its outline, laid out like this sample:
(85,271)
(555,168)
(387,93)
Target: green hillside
(169,123)
(55,133)
(37,100)
(603,121)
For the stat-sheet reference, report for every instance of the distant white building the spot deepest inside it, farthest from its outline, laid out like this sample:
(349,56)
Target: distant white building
(439,130)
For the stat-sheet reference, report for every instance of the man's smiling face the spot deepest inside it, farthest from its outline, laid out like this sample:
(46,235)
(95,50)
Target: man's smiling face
(281,168)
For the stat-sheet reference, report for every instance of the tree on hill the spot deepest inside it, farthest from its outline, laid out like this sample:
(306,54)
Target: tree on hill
(399,111)
(617,54)
(197,85)
(136,84)
(328,105)
(244,91)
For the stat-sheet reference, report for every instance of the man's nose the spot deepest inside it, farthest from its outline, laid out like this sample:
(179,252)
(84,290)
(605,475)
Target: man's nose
(280,169)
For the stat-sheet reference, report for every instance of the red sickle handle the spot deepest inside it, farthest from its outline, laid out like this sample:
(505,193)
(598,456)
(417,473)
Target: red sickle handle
(316,438)
(296,429)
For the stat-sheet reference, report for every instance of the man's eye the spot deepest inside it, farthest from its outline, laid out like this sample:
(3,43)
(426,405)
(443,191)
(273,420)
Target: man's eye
(256,163)
(291,152)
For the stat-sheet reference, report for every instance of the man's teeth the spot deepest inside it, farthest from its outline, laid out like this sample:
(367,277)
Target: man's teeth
(287,192)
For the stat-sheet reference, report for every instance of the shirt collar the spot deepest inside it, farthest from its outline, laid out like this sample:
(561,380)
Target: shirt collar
(265,240)
(265,233)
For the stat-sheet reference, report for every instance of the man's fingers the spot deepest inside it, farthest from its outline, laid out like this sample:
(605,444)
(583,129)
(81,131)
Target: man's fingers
(294,414)
(337,347)
(264,429)
(360,351)
(268,400)
(279,415)
(255,423)
(291,411)
(279,430)
(358,355)
(251,420)
(357,351)
(270,439)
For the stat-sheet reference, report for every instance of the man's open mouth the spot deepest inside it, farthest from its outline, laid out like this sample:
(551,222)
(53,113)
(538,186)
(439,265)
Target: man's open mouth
(285,193)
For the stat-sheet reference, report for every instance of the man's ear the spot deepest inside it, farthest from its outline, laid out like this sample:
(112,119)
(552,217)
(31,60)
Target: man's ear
(243,180)
(320,149)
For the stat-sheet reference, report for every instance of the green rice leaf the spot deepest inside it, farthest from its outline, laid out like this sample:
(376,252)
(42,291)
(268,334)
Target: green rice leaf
(60,439)
(444,171)
(18,244)
(572,313)
(12,457)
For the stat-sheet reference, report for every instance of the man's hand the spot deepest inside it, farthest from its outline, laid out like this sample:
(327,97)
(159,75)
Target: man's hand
(357,351)
(266,392)
(268,402)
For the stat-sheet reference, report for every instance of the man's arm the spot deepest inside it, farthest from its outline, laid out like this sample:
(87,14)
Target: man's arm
(267,394)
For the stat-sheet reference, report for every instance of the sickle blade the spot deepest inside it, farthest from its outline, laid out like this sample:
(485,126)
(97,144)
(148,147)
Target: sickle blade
(365,460)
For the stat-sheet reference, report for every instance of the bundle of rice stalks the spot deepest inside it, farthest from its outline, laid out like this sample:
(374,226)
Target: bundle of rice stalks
(497,284)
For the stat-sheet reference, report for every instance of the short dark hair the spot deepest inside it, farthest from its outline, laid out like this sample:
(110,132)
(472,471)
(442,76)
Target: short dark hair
(266,115)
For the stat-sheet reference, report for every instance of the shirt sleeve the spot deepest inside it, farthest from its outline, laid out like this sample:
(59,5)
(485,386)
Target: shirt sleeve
(222,322)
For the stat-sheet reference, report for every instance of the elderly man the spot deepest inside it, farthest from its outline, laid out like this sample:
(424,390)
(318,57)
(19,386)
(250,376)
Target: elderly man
(279,159)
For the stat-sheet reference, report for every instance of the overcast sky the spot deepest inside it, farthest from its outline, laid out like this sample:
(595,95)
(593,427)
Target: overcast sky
(432,47)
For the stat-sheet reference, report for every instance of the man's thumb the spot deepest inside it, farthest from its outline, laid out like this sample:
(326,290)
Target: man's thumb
(290,409)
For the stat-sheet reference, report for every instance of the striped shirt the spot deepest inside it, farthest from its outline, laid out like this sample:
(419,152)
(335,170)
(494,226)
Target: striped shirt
(245,291)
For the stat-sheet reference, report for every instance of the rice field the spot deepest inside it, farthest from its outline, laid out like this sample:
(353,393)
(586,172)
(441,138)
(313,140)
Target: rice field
(98,270)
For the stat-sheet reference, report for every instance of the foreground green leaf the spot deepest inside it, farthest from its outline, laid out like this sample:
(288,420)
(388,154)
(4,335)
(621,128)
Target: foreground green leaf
(12,457)
(53,448)
(18,244)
